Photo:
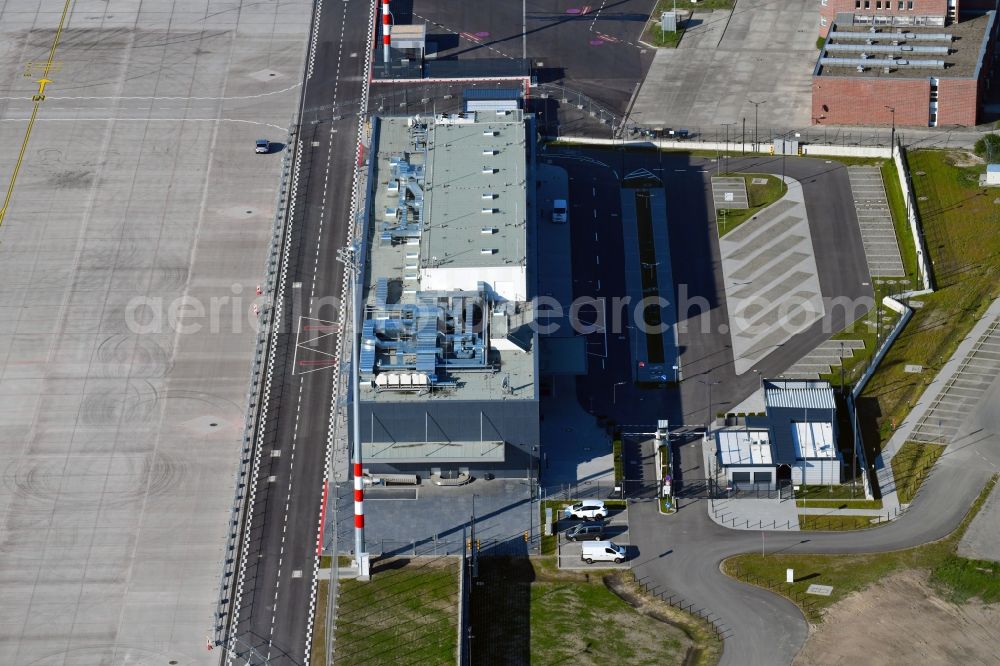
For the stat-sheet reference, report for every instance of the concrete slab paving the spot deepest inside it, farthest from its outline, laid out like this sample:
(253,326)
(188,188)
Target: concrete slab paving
(763,52)
(982,540)
(138,205)
(878,234)
(757,263)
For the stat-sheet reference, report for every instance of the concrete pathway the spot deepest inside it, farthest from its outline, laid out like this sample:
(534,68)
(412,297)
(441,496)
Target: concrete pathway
(982,540)
(771,278)
(953,377)
(875,220)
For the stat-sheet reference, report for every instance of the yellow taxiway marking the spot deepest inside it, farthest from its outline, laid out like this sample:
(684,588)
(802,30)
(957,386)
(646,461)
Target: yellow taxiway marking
(38,98)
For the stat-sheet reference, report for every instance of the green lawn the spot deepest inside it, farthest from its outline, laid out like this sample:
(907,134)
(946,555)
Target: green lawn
(834,523)
(843,491)
(759,196)
(960,227)
(616,450)
(318,649)
(584,622)
(910,466)
(657,37)
(406,614)
(963,579)
(839,504)
(528,611)
(955,576)
(907,246)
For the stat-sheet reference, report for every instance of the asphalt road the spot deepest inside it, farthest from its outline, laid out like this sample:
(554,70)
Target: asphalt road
(704,342)
(596,53)
(274,612)
(683,553)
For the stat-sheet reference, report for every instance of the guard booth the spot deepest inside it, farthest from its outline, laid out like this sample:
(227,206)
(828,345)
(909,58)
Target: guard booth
(410,41)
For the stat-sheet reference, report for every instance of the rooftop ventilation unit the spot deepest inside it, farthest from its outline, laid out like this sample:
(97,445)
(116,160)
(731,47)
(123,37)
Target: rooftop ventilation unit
(488,231)
(489,211)
(490,132)
(490,151)
(488,250)
(490,170)
(489,195)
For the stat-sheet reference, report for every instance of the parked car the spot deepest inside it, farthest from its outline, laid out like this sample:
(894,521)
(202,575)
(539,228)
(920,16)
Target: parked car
(602,551)
(559,211)
(587,510)
(263,147)
(589,531)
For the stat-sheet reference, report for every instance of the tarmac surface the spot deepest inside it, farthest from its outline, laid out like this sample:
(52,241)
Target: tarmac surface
(593,49)
(129,255)
(275,599)
(708,381)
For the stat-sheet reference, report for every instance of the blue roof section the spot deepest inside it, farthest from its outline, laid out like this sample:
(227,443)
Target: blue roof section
(993,168)
(798,394)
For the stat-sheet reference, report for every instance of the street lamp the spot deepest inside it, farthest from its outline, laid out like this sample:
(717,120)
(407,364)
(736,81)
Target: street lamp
(708,424)
(892,135)
(614,392)
(676,375)
(726,153)
(756,105)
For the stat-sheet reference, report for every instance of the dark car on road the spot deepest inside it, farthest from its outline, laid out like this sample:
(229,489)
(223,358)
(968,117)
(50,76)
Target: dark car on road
(592,531)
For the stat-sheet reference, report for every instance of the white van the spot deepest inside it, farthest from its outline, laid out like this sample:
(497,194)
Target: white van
(559,211)
(602,551)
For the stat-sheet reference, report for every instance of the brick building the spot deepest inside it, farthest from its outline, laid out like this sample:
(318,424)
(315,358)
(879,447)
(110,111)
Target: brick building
(901,13)
(921,67)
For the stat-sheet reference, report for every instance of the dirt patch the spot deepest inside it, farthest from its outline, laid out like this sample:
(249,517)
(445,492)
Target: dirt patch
(901,620)
(963,158)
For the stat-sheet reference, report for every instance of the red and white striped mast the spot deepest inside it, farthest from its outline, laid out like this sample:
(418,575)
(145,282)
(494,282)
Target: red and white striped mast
(361,557)
(385,31)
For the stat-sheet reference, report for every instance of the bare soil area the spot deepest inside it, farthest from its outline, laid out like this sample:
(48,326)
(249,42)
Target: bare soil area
(902,620)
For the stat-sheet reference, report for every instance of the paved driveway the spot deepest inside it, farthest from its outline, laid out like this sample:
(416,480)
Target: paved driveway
(617,531)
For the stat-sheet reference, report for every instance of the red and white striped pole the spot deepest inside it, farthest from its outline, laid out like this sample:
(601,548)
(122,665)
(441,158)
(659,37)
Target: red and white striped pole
(359,504)
(360,554)
(385,31)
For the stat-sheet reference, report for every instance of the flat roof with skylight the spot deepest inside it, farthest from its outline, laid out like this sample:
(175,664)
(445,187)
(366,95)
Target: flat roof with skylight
(745,447)
(813,440)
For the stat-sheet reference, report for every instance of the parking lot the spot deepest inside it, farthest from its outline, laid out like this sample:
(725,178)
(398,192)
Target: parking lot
(569,552)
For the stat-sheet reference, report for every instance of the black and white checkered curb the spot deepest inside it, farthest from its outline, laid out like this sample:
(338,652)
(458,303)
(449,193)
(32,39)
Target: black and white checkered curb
(335,403)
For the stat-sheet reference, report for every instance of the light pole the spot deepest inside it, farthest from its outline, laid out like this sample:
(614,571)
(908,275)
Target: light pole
(614,392)
(756,105)
(677,379)
(726,153)
(892,135)
(708,424)
(349,257)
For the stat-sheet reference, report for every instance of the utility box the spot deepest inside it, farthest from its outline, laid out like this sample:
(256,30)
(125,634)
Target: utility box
(668,21)
(993,174)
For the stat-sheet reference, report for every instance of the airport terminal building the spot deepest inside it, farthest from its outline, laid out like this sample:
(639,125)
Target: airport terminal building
(448,364)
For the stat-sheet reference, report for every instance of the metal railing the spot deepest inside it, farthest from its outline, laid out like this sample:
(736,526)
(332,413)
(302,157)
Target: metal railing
(237,526)
(651,589)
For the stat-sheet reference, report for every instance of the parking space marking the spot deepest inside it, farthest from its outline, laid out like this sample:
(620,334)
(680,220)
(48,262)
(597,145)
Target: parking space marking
(962,393)
(878,235)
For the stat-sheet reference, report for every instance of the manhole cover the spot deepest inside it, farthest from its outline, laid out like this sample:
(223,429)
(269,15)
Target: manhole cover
(820,590)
